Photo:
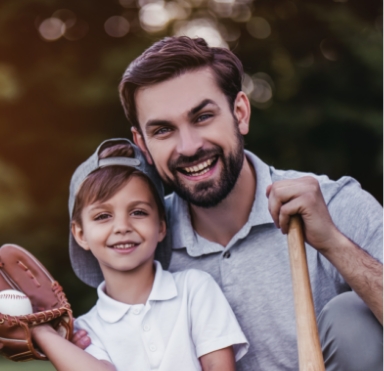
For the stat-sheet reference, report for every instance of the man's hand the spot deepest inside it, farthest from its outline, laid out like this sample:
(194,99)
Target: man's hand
(81,339)
(303,196)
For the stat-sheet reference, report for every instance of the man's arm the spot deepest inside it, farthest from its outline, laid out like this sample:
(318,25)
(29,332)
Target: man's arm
(362,272)
(219,360)
(64,355)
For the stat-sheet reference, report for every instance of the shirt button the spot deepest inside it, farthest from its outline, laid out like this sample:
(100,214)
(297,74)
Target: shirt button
(146,328)
(136,311)
(152,347)
(227,254)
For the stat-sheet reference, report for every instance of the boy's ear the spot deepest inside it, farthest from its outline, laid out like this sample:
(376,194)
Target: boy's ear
(78,234)
(139,141)
(162,230)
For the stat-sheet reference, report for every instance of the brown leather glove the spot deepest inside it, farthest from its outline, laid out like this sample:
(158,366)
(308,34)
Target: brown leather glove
(20,270)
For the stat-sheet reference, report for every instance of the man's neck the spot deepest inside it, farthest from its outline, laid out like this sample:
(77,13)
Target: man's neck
(220,223)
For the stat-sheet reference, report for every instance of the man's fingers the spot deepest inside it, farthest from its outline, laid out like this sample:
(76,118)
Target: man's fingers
(293,207)
(81,339)
(290,197)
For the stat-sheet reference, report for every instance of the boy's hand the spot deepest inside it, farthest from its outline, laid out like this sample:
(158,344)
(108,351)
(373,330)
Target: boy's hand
(81,339)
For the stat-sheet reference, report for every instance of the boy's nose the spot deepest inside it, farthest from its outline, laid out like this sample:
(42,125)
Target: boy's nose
(189,141)
(122,226)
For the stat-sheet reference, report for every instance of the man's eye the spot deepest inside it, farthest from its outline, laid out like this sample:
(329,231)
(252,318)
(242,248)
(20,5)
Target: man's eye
(102,216)
(204,117)
(162,131)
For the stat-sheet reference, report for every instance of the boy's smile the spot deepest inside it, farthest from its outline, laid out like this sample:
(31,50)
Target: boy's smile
(123,231)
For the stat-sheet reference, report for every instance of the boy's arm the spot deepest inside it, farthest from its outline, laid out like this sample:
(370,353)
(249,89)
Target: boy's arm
(219,360)
(81,339)
(64,355)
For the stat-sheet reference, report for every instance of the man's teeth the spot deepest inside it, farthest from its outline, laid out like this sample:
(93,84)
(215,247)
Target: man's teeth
(124,246)
(199,169)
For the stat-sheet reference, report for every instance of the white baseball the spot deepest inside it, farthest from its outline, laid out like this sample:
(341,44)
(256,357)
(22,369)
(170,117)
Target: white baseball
(14,303)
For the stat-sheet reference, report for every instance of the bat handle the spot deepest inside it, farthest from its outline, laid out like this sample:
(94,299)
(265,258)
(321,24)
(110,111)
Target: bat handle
(308,343)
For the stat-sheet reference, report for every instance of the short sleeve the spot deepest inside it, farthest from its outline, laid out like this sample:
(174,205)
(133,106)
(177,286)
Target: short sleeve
(214,325)
(96,348)
(359,216)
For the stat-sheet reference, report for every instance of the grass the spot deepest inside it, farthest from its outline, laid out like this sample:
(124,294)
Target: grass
(6,365)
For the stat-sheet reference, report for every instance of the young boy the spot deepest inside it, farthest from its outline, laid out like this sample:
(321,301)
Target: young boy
(145,318)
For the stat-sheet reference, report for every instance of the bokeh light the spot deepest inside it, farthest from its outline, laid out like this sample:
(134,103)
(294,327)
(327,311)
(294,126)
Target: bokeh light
(262,91)
(201,27)
(247,85)
(116,26)
(259,27)
(154,17)
(67,16)
(52,29)
(329,50)
(9,87)
(241,13)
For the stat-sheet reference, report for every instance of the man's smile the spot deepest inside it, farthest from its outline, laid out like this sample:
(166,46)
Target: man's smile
(199,168)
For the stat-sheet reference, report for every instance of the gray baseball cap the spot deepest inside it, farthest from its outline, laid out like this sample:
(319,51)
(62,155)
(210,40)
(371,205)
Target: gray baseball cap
(84,264)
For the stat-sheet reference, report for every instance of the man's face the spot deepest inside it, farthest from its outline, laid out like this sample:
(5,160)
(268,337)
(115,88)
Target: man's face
(191,136)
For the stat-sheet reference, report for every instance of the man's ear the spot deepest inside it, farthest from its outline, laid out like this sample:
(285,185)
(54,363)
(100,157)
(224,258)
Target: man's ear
(139,141)
(242,111)
(162,230)
(78,234)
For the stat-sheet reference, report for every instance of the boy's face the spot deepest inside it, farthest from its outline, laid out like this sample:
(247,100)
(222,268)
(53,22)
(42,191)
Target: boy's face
(191,135)
(123,231)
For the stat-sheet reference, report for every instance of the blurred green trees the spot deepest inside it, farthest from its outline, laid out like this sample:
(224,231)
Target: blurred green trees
(313,74)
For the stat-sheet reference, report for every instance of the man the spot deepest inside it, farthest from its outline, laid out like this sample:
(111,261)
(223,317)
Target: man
(188,114)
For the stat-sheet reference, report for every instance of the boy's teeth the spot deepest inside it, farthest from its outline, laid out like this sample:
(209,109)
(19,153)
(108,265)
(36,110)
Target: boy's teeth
(124,246)
(200,168)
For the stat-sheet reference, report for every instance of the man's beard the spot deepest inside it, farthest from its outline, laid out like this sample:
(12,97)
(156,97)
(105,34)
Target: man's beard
(211,192)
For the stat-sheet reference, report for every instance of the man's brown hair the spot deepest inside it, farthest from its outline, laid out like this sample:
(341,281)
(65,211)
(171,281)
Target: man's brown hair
(173,56)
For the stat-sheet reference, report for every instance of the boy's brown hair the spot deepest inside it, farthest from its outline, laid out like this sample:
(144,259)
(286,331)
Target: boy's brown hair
(173,56)
(105,182)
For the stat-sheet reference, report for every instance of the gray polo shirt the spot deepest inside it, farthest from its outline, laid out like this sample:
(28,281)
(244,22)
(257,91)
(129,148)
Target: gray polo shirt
(253,269)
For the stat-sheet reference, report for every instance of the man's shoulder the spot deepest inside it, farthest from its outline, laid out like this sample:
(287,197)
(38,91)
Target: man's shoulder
(329,188)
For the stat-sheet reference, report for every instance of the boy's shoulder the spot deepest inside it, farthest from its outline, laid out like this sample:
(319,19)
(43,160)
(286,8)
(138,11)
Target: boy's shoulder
(87,320)
(192,279)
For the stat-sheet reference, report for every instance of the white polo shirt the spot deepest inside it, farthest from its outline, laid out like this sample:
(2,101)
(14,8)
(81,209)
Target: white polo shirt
(186,316)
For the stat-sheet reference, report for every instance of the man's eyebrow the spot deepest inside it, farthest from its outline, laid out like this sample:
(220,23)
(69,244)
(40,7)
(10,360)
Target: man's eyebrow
(191,112)
(200,106)
(156,123)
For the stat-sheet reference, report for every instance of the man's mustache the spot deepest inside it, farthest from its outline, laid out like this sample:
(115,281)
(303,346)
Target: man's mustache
(202,154)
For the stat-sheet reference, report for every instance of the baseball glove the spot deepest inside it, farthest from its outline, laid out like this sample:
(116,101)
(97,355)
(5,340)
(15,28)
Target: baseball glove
(20,270)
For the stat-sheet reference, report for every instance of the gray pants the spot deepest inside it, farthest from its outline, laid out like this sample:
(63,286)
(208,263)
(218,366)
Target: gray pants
(350,335)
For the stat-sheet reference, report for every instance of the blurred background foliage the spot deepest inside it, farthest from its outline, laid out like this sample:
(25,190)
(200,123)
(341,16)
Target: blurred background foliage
(313,74)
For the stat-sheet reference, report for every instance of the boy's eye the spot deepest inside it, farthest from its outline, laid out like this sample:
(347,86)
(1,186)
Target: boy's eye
(102,216)
(139,213)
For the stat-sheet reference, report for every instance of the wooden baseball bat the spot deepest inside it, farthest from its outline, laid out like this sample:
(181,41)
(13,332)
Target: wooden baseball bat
(308,343)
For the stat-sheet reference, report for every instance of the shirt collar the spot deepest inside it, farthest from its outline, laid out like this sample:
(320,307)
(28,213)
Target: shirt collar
(182,231)
(110,310)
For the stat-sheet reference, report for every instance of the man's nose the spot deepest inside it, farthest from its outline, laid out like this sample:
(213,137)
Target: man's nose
(189,141)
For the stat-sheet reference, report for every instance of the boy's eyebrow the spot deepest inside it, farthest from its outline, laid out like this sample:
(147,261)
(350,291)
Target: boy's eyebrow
(102,205)
(190,113)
